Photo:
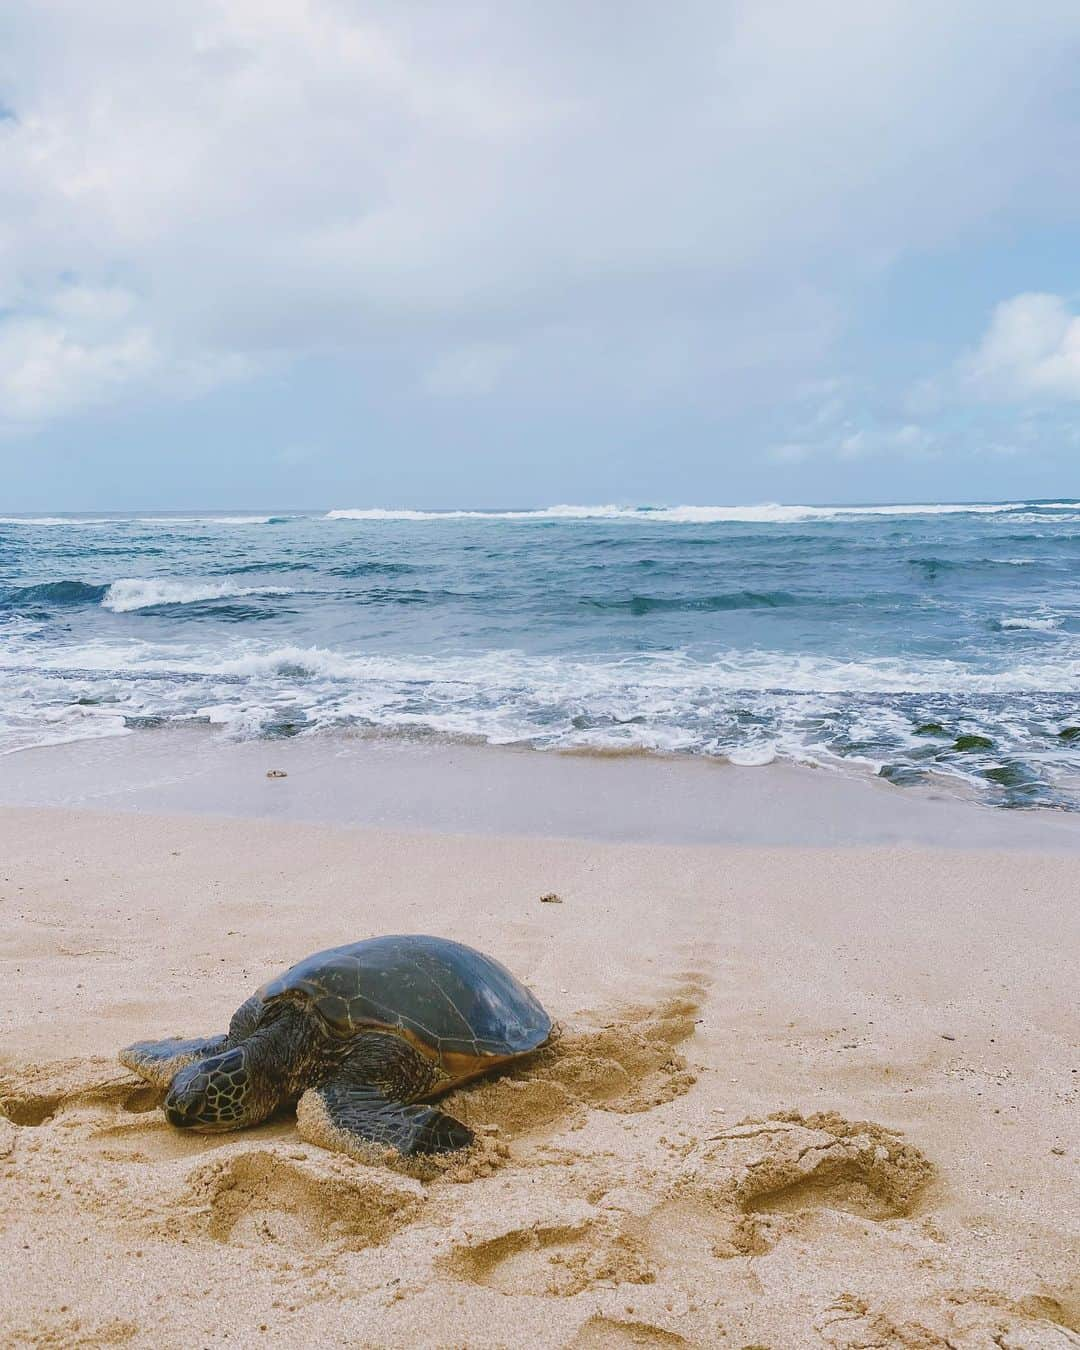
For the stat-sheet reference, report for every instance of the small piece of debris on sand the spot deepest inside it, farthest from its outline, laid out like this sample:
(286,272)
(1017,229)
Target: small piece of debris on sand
(551,899)
(276,773)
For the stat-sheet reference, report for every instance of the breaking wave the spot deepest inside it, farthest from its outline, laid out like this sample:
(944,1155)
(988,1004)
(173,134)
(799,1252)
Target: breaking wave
(52,520)
(130,593)
(213,520)
(1044,625)
(767,513)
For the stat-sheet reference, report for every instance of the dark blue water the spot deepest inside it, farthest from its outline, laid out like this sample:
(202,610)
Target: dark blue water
(922,643)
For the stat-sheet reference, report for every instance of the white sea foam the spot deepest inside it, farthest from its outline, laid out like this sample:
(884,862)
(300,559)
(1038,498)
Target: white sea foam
(664,683)
(754,755)
(207,520)
(1044,625)
(53,520)
(748,706)
(766,513)
(139,520)
(130,593)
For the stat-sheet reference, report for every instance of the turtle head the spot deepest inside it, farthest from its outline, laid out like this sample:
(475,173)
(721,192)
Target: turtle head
(224,1092)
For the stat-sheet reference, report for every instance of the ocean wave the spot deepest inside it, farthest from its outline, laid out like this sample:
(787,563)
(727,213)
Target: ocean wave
(673,676)
(372,569)
(278,565)
(766,513)
(213,520)
(131,593)
(145,520)
(728,600)
(902,719)
(53,520)
(51,593)
(1044,625)
(932,566)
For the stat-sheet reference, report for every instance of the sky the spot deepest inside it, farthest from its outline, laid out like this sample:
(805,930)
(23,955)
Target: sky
(322,253)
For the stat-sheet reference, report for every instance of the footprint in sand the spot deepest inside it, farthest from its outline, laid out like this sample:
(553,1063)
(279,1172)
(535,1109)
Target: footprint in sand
(557,1259)
(292,1197)
(745,1187)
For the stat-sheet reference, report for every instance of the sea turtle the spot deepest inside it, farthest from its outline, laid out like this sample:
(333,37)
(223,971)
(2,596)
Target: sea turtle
(356,1035)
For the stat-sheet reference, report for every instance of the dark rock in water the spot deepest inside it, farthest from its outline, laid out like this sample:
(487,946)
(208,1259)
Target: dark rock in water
(930,729)
(143,723)
(1069,734)
(903,775)
(283,730)
(1010,774)
(1021,785)
(970,741)
(1014,774)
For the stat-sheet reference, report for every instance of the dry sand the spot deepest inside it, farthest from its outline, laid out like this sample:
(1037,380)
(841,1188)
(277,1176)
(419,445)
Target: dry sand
(801,1097)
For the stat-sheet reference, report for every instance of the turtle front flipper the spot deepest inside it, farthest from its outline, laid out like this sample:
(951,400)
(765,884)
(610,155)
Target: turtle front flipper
(346,1116)
(160,1061)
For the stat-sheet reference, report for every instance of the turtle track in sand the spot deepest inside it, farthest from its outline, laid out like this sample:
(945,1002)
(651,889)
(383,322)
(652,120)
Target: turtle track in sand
(627,1065)
(35,1093)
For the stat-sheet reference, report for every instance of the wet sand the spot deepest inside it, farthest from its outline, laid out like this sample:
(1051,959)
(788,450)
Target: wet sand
(801,1097)
(457,788)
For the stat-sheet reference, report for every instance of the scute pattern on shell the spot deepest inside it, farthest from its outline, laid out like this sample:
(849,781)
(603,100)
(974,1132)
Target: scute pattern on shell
(451,998)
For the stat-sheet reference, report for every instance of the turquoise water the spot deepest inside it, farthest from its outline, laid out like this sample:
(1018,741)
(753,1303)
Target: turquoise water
(926,644)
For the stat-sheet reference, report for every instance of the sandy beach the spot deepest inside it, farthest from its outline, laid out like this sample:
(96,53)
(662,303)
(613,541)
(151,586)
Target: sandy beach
(800,1096)
(539,676)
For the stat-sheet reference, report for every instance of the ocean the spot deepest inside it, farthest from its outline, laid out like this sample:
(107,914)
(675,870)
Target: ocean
(933,645)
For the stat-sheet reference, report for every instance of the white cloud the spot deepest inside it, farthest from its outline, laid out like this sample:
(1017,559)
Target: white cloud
(827,422)
(48,369)
(83,347)
(691,202)
(468,371)
(1031,350)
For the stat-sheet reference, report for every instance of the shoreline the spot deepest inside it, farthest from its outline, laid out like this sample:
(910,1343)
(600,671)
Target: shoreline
(456,788)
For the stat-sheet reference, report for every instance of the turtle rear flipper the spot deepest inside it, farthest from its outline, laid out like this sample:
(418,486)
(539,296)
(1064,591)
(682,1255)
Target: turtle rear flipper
(160,1061)
(342,1115)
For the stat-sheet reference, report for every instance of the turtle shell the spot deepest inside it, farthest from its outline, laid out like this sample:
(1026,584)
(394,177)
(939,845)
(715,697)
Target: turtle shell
(442,996)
